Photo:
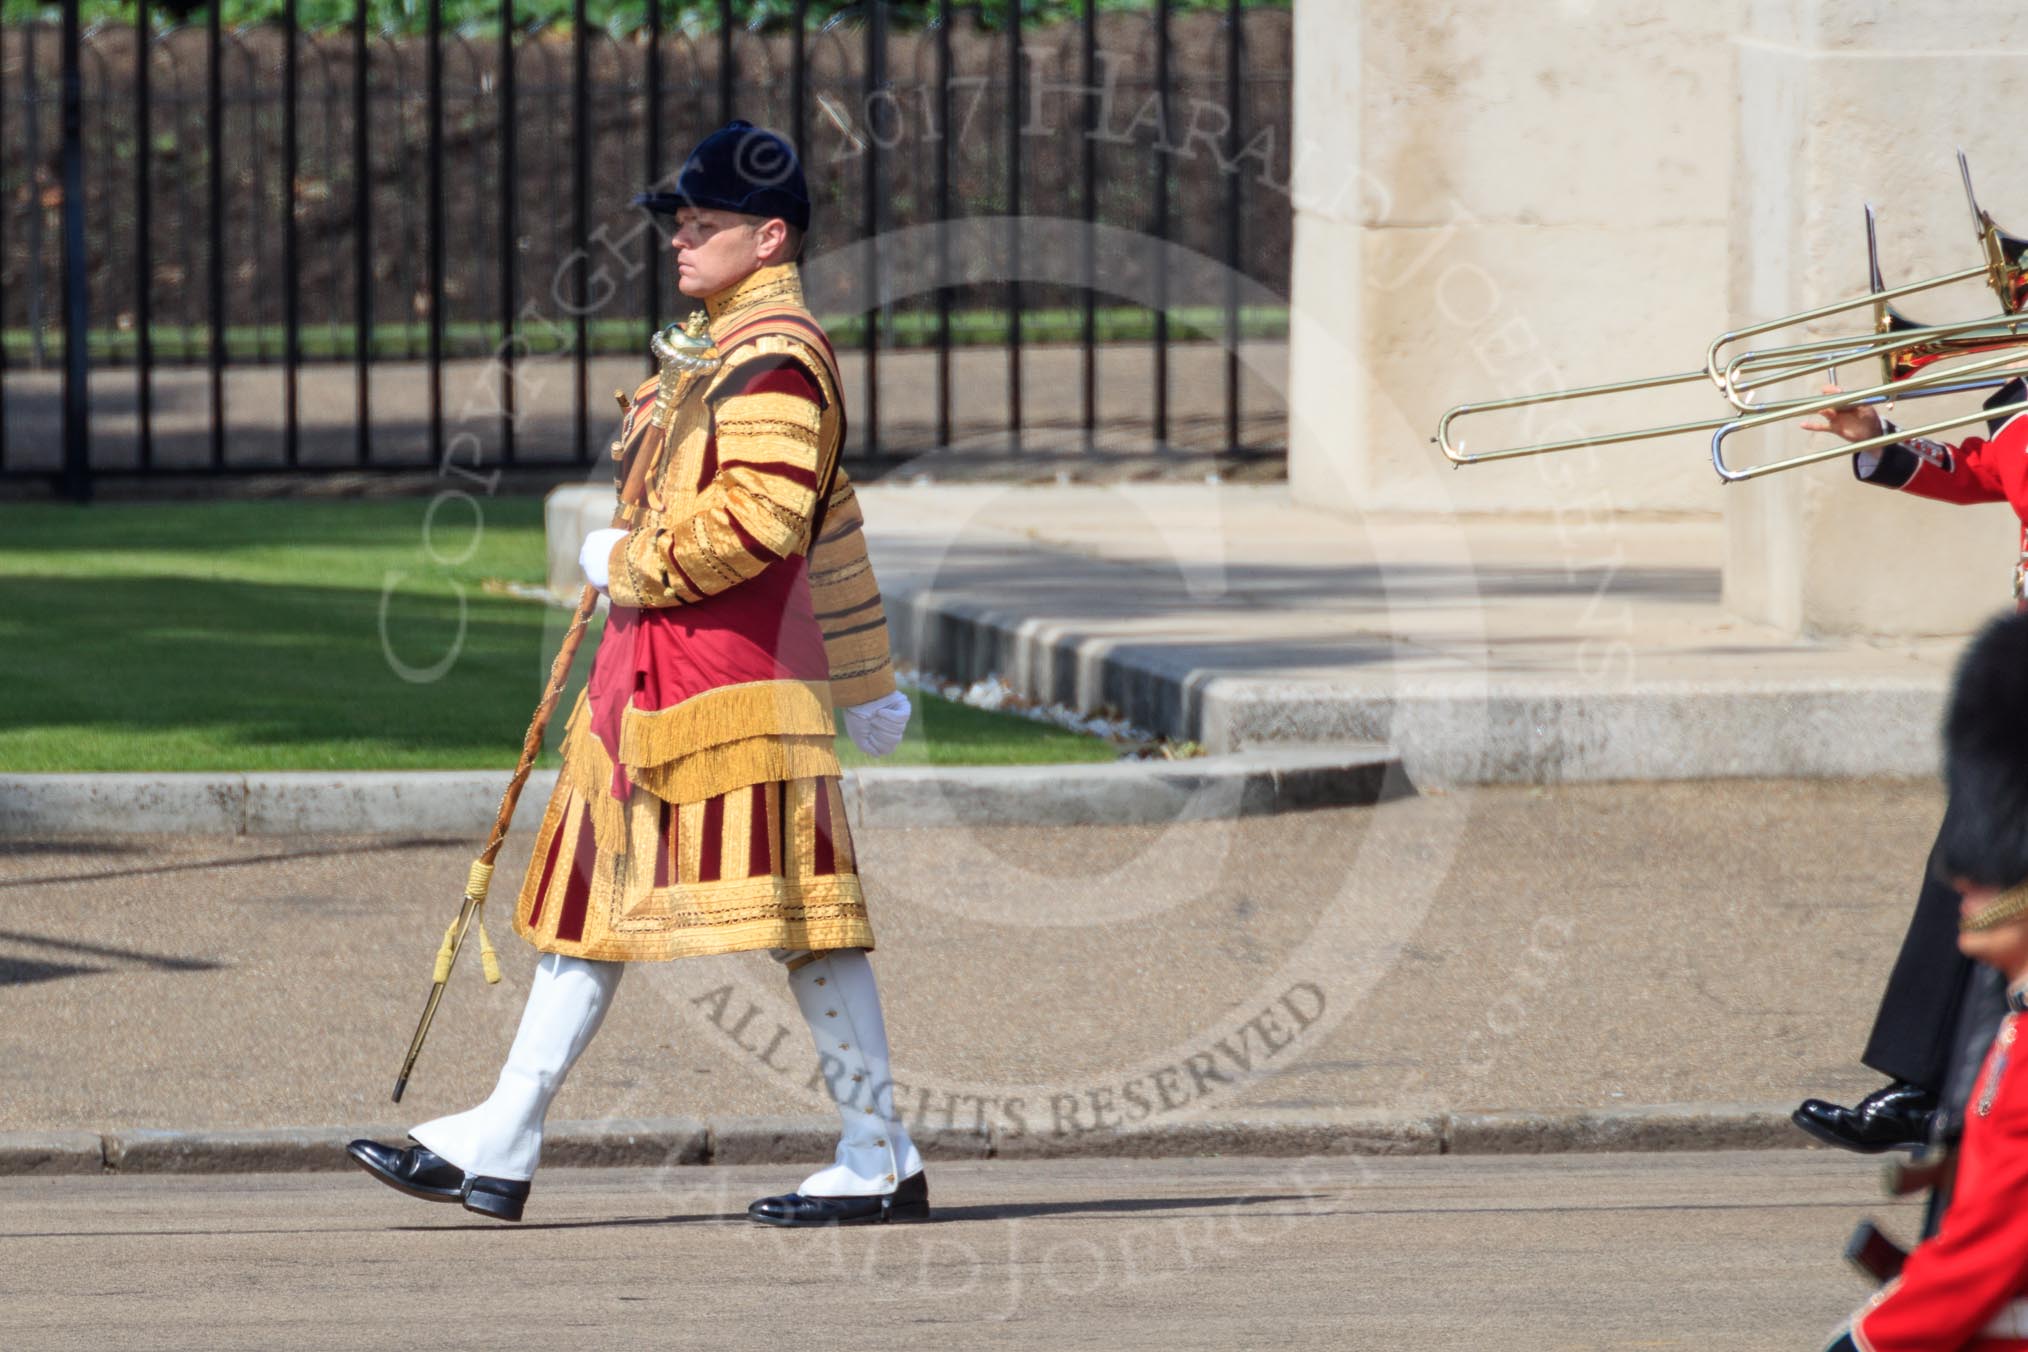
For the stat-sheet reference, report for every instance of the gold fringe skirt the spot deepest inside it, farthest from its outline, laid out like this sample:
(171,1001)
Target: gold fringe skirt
(767,865)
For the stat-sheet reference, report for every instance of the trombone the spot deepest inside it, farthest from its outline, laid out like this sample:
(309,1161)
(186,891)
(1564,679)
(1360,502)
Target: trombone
(1895,337)
(1911,354)
(1905,346)
(1933,383)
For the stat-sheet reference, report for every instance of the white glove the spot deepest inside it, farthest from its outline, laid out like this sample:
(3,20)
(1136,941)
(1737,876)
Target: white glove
(876,726)
(596,553)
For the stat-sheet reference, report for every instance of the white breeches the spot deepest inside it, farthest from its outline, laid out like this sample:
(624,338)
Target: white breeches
(567,1000)
(841,1004)
(502,1137)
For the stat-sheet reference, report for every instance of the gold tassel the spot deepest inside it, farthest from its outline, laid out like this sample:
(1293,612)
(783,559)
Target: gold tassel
(489,961)
(445,953)
(476,887)
(477,882)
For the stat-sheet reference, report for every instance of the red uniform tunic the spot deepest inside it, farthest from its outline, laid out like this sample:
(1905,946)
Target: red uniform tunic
(1967,1286)
(1978,469)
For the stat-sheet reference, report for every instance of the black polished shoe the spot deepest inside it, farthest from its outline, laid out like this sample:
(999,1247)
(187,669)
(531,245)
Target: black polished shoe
(908,1202)
(410,1169)
(500,1198)
(1894,1118)
(420,1173)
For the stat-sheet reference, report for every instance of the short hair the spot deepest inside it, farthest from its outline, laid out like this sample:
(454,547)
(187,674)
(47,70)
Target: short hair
(792,239)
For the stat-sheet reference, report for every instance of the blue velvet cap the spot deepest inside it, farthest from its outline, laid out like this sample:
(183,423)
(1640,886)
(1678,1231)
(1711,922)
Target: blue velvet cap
(743,168)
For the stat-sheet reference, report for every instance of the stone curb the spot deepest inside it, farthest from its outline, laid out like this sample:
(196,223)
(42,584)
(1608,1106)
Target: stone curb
(206,804)
(460,802)
(652,1141)
(1459,730)
(277,1150)
(1248,784)
(1373,1132)
(655,1142)
(1680,1126)
(51,1152)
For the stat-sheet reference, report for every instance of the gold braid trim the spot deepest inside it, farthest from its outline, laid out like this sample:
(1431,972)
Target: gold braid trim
(877,682)
(776,284)
(770,413)
(838,579)
(588,769)
(707,560)
(799,432)
(832,915)
(704,772)
(636,584)
(2004,909)
(847,601)
(793,525)
(736,765)
(748,498)
(730,713)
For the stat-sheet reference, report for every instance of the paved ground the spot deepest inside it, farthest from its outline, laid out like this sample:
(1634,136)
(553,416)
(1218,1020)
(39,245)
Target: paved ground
(1500,948)
(1735,1251)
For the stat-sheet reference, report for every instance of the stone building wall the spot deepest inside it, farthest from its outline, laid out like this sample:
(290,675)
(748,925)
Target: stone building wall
(1568,192)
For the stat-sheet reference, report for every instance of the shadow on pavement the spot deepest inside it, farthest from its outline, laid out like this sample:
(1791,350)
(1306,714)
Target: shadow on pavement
(376,846)
(159,962)
(26,971)
(1125,1206)
(1012,1211)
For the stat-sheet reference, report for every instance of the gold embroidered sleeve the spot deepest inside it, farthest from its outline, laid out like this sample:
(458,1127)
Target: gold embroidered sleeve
(755,511)
(848,605)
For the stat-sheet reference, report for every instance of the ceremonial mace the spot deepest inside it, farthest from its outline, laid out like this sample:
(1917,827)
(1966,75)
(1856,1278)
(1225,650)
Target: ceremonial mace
(684,352)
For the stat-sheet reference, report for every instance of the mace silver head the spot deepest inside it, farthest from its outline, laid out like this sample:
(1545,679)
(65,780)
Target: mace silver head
(685,347)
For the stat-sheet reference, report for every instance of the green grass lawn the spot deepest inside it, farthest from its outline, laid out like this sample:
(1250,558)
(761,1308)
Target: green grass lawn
(285,635)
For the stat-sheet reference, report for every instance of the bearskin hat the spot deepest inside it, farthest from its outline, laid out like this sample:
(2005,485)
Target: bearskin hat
(742,168)
(1985,832)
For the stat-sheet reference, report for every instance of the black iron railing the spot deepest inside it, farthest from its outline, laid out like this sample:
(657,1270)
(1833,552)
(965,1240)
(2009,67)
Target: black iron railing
(270,248)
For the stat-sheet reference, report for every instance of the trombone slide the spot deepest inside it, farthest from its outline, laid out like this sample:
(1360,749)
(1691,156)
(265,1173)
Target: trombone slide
(1878,394)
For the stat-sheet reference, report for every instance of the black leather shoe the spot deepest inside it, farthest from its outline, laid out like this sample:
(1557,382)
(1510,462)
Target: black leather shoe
(410,1169)
(908,1202)
(420,1173)
(1894,1118)
(500,1198)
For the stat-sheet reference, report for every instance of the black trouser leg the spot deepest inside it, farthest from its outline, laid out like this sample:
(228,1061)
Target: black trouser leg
(1913,1032)
(1979,1018)
(1979,1015)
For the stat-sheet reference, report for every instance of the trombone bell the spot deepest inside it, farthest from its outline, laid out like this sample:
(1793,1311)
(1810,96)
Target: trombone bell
(2006,255)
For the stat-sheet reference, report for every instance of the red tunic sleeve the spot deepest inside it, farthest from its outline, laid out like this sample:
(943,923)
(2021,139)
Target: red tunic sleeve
(1971,473)
(1977,469)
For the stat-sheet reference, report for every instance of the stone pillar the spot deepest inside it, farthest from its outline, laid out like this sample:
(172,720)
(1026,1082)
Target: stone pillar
(1843,102)
(1497,199)
(1327,322)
